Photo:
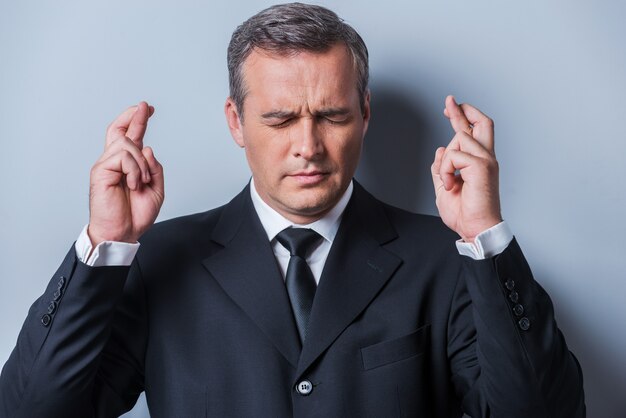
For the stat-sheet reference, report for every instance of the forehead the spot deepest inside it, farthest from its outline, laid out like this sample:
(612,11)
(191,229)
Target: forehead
(321,78)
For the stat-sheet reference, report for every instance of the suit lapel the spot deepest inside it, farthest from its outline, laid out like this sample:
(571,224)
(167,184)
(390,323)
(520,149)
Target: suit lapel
(247,271)
(356,269)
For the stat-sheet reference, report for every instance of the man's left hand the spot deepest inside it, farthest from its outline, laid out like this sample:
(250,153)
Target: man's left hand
(465,173)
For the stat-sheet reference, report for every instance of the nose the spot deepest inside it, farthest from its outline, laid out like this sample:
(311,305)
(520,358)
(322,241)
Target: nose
(308,144)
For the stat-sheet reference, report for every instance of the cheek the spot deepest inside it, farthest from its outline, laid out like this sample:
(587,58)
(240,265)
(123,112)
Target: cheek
(348,151)
(265,157)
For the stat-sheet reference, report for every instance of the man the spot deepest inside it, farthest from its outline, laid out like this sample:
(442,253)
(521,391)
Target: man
(380,316)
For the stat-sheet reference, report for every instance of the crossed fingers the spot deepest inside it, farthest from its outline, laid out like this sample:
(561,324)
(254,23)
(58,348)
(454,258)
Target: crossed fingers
(466,118)
(472,145)
(124,152)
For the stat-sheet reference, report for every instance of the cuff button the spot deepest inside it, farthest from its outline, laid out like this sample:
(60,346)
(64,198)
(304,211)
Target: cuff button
(518,310)
(45,320)
(510,284)
(514,296)
(52,307)
(524,324)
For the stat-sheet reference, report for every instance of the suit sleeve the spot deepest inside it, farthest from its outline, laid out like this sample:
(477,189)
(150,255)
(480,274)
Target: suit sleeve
(507,355)
(71,358)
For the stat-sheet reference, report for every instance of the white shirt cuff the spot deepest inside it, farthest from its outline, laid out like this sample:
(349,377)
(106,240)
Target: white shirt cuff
(488,243)
(107,253)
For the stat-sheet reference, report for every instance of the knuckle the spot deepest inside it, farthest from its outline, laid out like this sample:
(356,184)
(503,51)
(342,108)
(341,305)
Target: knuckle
(126,156)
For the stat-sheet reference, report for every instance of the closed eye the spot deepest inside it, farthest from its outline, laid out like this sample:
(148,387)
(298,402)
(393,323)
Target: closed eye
(334,116)
(281,124)
(336,120)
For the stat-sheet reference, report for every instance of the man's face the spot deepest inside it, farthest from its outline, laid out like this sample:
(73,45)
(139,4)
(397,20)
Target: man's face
(303,129)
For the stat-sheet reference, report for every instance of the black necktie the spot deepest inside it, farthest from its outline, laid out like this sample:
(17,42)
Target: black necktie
(299,280)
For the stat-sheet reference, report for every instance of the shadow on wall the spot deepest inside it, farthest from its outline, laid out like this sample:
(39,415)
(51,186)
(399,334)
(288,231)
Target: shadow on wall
(399,148)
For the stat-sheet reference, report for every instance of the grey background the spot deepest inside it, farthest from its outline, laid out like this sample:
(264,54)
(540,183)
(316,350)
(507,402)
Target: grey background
(551,74)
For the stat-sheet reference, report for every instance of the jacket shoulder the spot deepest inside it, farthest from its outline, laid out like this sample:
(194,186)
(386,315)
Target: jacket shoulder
(409,222)
(421,233)
(186,235)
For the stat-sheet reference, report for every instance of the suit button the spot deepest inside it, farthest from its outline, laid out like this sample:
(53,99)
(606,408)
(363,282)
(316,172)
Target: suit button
(304,388)
(524,323)
(52,307)
(45,320)
(61,283)
(510,284)
(518,310)
(514,296)
(56,295)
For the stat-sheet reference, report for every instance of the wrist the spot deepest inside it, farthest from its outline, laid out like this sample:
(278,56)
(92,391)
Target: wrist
(476,230)
(97,238)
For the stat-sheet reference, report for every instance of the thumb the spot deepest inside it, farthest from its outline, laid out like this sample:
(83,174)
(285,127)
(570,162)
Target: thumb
(435,170)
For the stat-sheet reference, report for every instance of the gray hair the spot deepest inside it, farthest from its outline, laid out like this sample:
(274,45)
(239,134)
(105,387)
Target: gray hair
(287,29)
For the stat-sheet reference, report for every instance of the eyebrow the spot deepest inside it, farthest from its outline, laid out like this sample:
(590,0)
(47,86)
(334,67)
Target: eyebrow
(333,111)
(284,114)
(278,114)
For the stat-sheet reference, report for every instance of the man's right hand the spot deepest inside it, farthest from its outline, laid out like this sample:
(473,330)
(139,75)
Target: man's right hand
(126,185)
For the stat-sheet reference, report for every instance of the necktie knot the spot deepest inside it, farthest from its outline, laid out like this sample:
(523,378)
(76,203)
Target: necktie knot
(298,241)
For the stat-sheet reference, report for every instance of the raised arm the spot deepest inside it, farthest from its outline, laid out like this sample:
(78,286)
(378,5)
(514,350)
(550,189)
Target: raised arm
(58,368)
(508,357)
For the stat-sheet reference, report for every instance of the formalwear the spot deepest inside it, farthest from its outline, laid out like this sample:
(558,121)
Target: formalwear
(401,326)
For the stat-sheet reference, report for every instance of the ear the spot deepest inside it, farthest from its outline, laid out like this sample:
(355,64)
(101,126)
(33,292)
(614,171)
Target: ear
(366,111)
(234,122)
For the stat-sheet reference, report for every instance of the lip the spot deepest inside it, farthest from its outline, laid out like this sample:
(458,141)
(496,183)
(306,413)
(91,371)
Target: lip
(308,177)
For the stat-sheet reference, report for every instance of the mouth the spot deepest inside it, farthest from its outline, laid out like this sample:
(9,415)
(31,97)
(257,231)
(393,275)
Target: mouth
(308,178)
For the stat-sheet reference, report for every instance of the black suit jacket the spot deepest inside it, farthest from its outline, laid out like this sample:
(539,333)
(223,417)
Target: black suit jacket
(401,326)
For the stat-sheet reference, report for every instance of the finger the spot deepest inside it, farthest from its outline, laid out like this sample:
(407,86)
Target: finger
(139,123)
(483,127)
(125,144)
(156,169)
(452,161)
(464,143)
(457,118)
(467,143)
(435,169)
(119,126)
(123,162)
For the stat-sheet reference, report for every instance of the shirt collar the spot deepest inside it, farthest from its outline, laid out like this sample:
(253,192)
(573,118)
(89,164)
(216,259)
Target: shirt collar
(273,222)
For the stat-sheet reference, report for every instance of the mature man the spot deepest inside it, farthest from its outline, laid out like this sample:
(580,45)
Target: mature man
(244,311)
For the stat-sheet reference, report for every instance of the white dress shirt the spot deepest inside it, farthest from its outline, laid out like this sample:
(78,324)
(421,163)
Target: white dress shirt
(273,222)
(110,253)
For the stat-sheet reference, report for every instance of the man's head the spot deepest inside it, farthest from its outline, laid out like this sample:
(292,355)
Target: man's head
(300,76)
(287,29)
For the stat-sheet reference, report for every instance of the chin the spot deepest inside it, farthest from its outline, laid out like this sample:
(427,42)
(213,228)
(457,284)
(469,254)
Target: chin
(313,206)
